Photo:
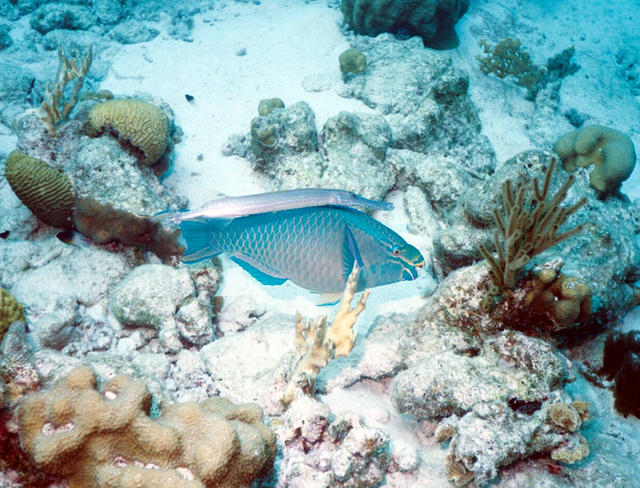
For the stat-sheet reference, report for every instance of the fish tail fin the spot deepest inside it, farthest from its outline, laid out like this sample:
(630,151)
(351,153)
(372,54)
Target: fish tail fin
(198,235)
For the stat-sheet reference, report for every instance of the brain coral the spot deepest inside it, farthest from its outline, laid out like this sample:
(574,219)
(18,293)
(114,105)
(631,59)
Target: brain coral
(433,20)
(140,125)
(45,190)
(106,439)
(10,311)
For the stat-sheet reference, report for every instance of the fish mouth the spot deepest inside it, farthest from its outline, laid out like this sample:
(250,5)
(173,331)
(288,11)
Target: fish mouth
(409,274)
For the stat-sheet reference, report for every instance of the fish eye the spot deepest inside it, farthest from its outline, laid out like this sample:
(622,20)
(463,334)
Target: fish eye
(396,251)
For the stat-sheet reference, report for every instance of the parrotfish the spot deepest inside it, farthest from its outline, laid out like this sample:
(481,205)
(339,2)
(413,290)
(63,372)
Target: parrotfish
(314,246)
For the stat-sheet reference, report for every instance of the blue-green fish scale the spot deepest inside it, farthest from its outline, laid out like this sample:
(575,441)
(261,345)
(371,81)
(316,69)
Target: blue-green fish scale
(307,246)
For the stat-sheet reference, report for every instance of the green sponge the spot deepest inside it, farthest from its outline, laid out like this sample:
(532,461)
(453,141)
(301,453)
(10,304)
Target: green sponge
(610,150)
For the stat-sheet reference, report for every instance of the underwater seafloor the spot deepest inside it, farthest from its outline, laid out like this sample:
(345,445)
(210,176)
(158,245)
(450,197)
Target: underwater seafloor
(448,384)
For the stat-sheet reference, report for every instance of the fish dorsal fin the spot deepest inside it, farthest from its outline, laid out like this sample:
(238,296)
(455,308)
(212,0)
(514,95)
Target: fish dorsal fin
(259,271)
(350,252)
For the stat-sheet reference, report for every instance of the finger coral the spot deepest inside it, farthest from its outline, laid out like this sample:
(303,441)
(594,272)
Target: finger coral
(10,311)
(45,190)
(106,439)
(141,126)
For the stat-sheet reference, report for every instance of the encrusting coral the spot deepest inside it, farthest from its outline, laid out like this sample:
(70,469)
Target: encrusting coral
(611,151)
(140,125)
(45,190)
(102,222)
(10,311)
(107,439)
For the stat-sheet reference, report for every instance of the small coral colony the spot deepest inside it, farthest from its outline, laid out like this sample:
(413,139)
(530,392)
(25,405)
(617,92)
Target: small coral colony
(523,264)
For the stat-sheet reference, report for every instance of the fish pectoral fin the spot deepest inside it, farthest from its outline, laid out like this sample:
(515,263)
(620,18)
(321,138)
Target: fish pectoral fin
(258,270)
(350,252)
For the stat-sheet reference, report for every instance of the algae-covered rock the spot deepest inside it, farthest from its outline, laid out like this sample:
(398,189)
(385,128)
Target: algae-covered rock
(161,297)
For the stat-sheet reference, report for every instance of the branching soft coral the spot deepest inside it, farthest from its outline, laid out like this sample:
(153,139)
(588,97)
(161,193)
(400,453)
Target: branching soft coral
(56,107)
(528,225)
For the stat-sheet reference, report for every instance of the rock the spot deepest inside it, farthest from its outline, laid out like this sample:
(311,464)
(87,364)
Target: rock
(133,32)
(153,295)
(424,100)
(82,276)
(62,16)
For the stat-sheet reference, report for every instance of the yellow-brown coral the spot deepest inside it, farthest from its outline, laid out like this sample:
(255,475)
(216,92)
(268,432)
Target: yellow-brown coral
(317,344)
(575,450)
(10,311)
(565,300)
(45,190)
(611,151)
(139,124)
(563,417)
(107,440)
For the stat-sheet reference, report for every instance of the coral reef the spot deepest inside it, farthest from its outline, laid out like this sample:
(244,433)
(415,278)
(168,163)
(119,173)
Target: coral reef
(433,20)
(45,190)
(161,297)
(331,450)
(113,198)
(107,439)
(611,152)
(408,142)
(10,311)
(141,125)
(593,269)
(492,435)
(268,105)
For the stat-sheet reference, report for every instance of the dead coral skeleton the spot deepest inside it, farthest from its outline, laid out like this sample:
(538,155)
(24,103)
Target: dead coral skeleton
(317,344)
(56,106)
(527,226)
